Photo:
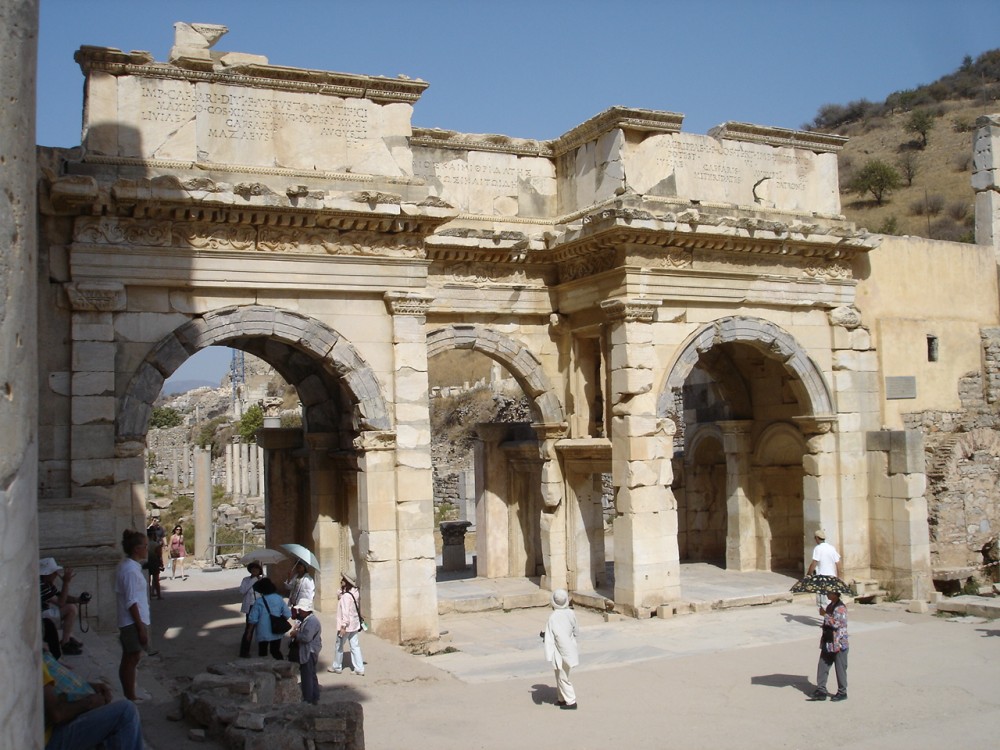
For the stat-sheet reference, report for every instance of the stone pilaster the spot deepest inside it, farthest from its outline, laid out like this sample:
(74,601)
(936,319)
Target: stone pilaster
(282,489)
(327,537)
(202,460)
(414,475)
(647,561)
(553,520)
(378,542)
(492,539)
(820,467)
(21,720)
(741,543)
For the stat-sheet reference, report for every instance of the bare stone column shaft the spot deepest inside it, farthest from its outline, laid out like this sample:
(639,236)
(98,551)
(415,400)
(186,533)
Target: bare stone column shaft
(414,474)
(741,546)
(21,703)
(203,504)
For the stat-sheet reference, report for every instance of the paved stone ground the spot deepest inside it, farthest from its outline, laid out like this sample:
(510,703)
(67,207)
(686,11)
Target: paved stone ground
(707,680)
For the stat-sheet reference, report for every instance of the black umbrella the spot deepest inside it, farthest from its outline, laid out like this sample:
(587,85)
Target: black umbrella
(816,584)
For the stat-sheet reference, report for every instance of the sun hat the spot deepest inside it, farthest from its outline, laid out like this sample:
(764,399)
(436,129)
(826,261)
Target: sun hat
(560,599)
(304,605)
(48,566)
(349,579)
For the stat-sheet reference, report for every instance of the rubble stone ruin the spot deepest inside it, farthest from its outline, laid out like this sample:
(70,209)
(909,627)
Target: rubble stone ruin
(690,314)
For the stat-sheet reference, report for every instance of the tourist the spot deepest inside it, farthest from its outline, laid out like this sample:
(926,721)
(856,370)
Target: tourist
(348,626)
(177,553)
(306,636)
(133,609)
(300,584)
(560,647)
(58,605)
(825,562)
(256,572)
(267,605)
(833,647)
(81,715)
(154,566)
(154,531)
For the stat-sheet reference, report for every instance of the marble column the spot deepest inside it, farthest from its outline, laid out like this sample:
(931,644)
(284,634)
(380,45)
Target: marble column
(21,723)
(647,560)
(203,549)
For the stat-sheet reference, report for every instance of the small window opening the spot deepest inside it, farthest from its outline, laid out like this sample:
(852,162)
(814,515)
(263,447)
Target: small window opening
(932,348)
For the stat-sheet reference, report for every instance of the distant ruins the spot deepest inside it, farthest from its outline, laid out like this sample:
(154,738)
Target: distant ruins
(690,314)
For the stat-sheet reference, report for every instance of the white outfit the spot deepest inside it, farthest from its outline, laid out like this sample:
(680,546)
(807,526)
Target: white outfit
(348,620)
(826,558)
(301,589)
(249,595)
(560,649)
(130,588)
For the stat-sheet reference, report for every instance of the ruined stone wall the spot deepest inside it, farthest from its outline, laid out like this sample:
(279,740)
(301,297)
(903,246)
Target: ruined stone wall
(963,465)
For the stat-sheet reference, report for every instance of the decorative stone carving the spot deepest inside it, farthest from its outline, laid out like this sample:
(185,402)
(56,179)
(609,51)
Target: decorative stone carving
(375,440)
(630,311)
(112,231)
(404,303)
(100,296)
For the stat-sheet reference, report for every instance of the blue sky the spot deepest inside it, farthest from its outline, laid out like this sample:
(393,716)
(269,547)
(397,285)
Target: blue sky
(537,69)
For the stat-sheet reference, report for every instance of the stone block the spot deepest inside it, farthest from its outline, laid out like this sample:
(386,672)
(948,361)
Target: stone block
(665,611)
(93,384)
(93,409)
(630,381)
(93,356)
(917,607)
(906,452)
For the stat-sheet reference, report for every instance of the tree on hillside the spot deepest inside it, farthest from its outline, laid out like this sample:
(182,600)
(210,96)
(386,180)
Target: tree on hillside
(908,166)
(921,122)
(251,421)
(164,417)
(878,178)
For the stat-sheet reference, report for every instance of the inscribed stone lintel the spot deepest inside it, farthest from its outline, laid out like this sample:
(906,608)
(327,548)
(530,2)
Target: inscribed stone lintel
(101,296)
(900,387)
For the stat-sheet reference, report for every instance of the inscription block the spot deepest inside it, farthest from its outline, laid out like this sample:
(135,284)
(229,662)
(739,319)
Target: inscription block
(900,387)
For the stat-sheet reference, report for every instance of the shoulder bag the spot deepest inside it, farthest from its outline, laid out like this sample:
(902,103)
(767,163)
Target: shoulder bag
(364,625)
(279,625)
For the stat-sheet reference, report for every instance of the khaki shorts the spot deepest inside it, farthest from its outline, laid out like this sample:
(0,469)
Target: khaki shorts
(129,637)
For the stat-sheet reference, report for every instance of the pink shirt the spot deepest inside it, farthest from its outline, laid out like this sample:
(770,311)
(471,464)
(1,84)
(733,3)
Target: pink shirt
(347,612)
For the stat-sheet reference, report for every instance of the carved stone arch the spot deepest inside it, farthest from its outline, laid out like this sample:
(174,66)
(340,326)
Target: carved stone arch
(524,366)
(231,325)
(809,385)
(701,433)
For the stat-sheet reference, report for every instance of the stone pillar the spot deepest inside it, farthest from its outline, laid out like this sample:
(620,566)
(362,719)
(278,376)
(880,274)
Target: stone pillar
(229,468)
(244,469)
(741,542)
(820,468)
(186,466)
(260,470)
(21,722)
(378,537)
(467,497)
(203,549)
(492,534)
(453,545)
(326,537)
(986,181)
(647,561)
(414,476)
(252,471)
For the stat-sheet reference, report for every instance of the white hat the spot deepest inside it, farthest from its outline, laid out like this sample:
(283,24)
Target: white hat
(304,605)
(48,566)
(560,599)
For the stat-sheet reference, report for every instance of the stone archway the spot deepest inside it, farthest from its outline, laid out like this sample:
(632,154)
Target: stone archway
(752,380)
(251,321)
(521,499)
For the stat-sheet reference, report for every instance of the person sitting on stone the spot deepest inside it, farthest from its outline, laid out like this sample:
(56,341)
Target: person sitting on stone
(81,715)
(57,604)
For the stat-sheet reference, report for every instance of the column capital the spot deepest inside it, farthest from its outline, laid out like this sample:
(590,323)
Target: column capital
(550,430)
(407,303)
(375,440)
(630,310)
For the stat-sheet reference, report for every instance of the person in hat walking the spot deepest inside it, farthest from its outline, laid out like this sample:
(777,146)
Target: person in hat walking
(833,646)
(825,562)
(348,627)
(560,647)
(255,573)
(307,638)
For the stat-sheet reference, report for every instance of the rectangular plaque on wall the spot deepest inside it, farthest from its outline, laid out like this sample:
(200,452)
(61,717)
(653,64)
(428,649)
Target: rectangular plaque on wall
(903,386)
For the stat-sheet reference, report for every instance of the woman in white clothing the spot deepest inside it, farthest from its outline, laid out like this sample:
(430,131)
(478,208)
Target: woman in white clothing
(300,584)
(348,627)
(256,571)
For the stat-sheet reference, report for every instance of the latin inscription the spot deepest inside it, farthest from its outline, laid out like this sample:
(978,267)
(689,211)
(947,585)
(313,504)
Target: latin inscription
(731,164)
(248,117)
(457,172)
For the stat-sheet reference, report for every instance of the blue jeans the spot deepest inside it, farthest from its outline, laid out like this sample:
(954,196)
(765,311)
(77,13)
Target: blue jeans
(116,725)
(357,663)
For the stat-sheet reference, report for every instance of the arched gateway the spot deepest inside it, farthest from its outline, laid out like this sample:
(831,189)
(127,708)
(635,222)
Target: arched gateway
(679,309)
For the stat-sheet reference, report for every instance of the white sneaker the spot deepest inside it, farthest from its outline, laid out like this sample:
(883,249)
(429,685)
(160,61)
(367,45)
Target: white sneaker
(335,670)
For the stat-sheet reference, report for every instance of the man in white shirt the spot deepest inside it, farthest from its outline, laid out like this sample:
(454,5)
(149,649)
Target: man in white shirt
(825,562)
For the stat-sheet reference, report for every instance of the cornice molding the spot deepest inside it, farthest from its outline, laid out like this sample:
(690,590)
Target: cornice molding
(820,143)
